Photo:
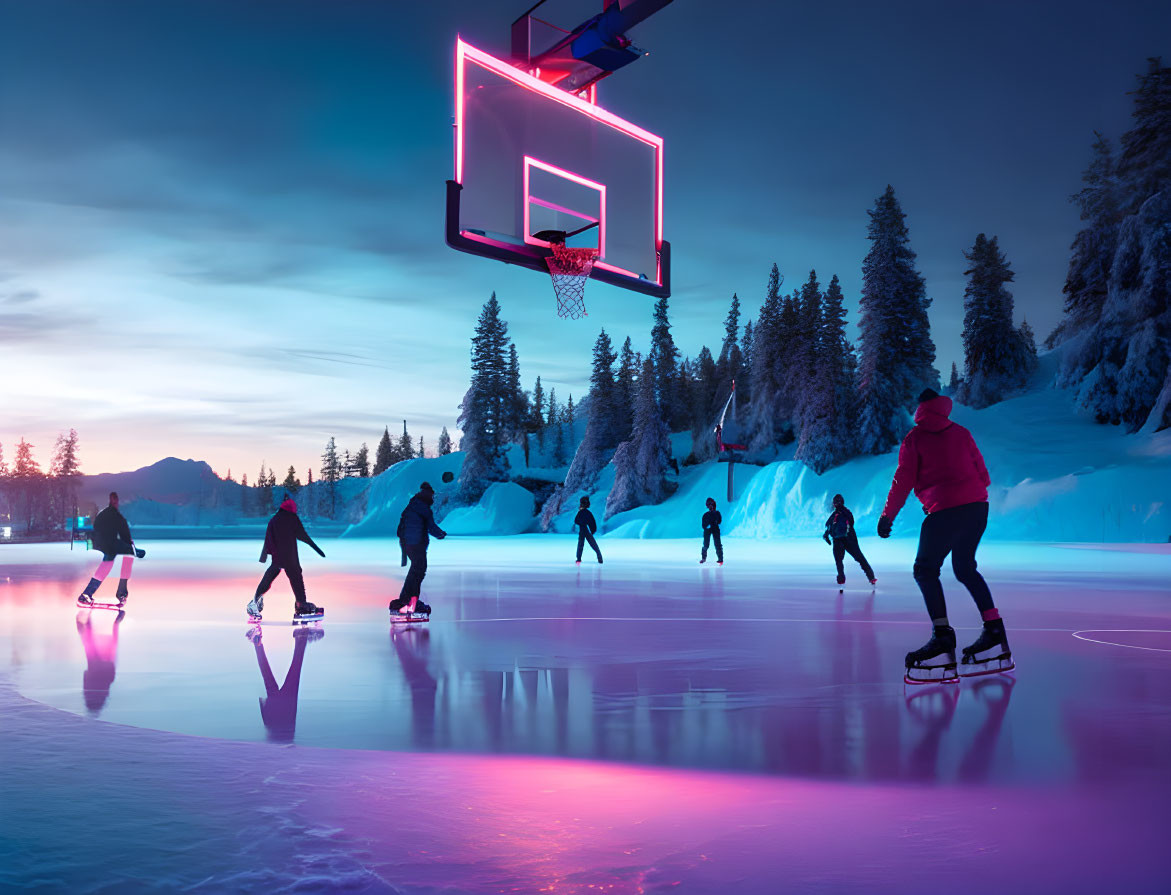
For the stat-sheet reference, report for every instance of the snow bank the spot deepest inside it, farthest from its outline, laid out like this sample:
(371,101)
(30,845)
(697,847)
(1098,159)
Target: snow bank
(505,509)
(679,516)
(390,491)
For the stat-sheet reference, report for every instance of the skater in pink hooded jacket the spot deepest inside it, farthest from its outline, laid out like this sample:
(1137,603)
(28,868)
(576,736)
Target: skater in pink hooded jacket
(940,462)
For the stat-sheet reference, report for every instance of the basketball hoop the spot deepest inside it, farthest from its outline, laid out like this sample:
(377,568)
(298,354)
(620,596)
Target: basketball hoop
(570,268)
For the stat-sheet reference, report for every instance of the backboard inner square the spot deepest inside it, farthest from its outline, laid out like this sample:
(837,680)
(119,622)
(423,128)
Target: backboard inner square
(557,199)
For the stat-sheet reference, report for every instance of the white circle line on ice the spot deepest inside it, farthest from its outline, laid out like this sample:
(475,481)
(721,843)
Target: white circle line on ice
(1153,649)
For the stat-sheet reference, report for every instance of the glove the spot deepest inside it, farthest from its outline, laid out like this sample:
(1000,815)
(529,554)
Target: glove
(442,535)
(139,552)
(884,526)
(827,539)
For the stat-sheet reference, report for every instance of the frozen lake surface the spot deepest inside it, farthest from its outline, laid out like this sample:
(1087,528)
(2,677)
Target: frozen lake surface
(645,725)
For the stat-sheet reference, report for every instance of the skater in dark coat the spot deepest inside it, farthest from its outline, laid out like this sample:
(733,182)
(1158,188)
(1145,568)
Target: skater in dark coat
(415,527)
(280,542)
(586,526)
(840,534)
(940,462)
(111,536)
(711,531)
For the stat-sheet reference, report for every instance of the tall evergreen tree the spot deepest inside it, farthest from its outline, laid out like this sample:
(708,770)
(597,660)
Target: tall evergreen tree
(245,495)
(331,473)
(66,472)
(406,445)
(26,478)
(628,366)
(599,439)
(444,443)
(731,358)
(744,383)
(536,421)
(704,386)
(897,354)
(483,412)
(640,464)
(291,484)
(422,450)
(954,382)
(384,453)
(362,461)
(765,386)
(996,360)
(829,433)
(665,358)
(516,400)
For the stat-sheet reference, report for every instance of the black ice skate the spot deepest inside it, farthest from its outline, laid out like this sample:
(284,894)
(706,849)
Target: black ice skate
(989,654)
(941,647)
(303,613)
(123,593)
(404,612)
(255,608)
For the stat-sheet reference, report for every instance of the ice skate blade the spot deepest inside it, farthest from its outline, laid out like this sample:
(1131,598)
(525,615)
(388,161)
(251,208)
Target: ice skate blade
(254,619)
(306,619)
(990,666)
(952,678)
(100,606)
(406,618)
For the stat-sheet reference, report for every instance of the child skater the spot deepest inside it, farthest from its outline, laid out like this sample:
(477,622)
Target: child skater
(940,462)
(280,542)
(112,537)
(711,531)
(840,534)
(586,526)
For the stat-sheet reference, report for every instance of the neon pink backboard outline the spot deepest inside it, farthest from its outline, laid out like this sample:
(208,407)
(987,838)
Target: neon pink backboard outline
(531,163)
(465,53)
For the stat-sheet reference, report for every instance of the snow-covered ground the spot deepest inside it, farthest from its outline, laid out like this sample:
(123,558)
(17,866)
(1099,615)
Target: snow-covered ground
(641,726)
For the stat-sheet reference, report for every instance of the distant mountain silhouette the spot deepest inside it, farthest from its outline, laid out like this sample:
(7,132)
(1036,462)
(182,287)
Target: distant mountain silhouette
(170,480)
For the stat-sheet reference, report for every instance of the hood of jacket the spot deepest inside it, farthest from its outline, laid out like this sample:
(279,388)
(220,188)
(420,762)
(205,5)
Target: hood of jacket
(933,415)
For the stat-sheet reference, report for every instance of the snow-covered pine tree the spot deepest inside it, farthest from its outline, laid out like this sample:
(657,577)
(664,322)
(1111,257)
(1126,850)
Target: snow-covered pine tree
(422,453)
(1120,365)
(362,461)
(953,383)
(640,464)
(744,383)
(406,445)
(516,399)
(665,358)
(66,471)
(731,358)
(444,443)
(828,435)
(291,484)
(384,453)
(624,382)
(536,421)
(26,475)
(347,464)
(897,355)
(765,387)
(555,424)
(331,473)
(599,439)
(703,388)
(483,413)
(805,353)
(996,360)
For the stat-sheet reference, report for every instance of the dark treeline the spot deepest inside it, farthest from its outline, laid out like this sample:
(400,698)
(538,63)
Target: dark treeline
(40,501)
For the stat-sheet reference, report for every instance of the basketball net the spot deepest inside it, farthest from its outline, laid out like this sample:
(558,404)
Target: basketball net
(570,268)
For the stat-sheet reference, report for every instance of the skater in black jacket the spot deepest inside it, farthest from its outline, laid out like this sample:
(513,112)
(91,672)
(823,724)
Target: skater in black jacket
(586,526)
(840,534)
(112,537)
(711,531)
(415,527)
(280,542)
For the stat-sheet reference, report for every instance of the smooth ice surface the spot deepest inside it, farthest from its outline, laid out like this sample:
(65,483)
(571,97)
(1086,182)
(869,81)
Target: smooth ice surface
(581,713)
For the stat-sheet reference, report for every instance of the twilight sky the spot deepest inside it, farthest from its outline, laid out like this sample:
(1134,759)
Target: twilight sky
(221,220)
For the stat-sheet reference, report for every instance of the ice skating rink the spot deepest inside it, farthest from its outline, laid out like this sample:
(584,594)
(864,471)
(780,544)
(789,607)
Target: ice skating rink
(646,725)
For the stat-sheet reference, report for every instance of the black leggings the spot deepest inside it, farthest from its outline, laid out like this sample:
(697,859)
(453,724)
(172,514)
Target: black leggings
(413,585)
(585,536)
(849,544)
(295,579)
(956,530)
(708,536)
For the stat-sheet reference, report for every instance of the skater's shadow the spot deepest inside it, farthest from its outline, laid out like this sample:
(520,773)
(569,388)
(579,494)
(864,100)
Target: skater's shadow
(278,709)
(413,646)
(101,654)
